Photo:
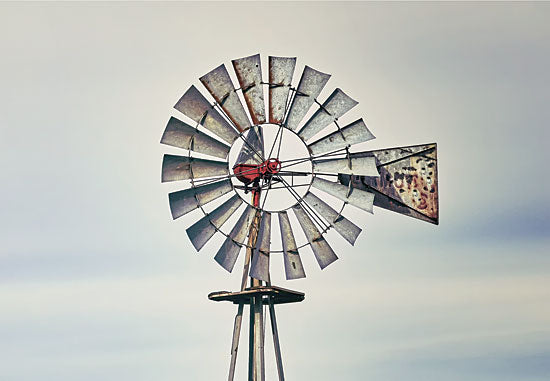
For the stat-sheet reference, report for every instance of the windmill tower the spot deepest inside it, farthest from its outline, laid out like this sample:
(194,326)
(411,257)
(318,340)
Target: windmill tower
(257,164)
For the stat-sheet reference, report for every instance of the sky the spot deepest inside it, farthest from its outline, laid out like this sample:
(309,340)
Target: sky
(98,282)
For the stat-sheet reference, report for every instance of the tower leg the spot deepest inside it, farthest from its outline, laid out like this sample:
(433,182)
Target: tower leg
(235,341)
(275,332)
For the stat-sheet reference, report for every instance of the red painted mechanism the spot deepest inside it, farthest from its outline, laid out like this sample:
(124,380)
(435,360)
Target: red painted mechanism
(253,173)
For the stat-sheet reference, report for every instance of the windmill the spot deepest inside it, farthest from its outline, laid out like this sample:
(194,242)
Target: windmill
(239,180)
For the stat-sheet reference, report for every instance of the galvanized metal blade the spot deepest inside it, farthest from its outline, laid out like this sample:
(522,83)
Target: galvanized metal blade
(249,74)
(353,133)
(259,268)
(360,166)
(321,249)
(201,231)
(356,197)
(181,135)
(252,148)
(176,168)
(341,224)
(229,252)
(408,181)
(293,263)
(195,106)
(336,105)
(218,83)
(281,70)
(184,201)
(310,86)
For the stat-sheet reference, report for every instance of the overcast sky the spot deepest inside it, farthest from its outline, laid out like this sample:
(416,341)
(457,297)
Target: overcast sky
(98,283)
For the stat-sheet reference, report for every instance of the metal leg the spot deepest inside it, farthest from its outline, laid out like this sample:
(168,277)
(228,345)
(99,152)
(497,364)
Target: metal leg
(235,342)
(251,343)
(259,370)
(275,332)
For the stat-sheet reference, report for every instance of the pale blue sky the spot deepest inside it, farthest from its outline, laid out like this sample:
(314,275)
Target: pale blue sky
(98,282)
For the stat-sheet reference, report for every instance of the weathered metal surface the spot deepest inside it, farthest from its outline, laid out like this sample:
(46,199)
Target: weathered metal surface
(201,231)
(353,196)
(259,268)
(219,84)
(178,134)
(293,263)
(252,148)
(321,249)
(249,74)
(341,224)
(361,166)
(407,183)
(229,252)
(353,133)
(182,202)
(176,168)
(281,70)
(195,106)
(310,86)
(336,105)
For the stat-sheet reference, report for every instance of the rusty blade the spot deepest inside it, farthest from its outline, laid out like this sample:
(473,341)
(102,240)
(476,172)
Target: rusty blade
(178,134)
(310,86)
(259,268)
(360,166)
(336,105)
(408,181)
(249,74)
(353,133)
(229,252)
(218,83)
(321,249)
(184,201)
(201,231)
(195,106)
(356,197)
(281,70)
(176,168)
(341,224)
(253,147)
(293,263)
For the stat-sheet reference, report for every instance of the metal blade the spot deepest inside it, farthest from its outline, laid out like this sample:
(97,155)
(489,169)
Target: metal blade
(254,145)
(336,105)
(259,268)
(408,181)
(201,231)
(249,74)
(293,263)
(281,70)
(195,106)
(353,133)
(359,166)
(218,83)
(178,134)
(341,224)
(310,86)
(176,168)
(321,249)
(184,201)
(229,252)
(356,197)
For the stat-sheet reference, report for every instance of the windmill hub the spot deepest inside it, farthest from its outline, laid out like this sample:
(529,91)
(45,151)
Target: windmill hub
(249,173)
(275,158)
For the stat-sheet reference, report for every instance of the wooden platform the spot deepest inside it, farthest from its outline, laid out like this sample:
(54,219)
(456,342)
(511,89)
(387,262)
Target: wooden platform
(278,295)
